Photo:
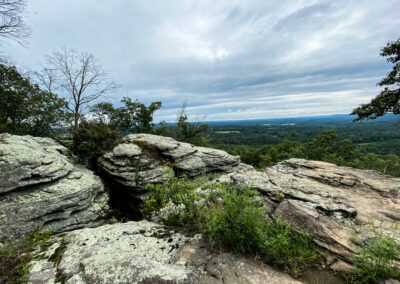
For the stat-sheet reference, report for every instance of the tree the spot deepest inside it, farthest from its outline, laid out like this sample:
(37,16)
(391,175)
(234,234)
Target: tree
(190,132)
(12,25)
(77,75)
(388,99)
(91,140)
(134,116)
(24,107)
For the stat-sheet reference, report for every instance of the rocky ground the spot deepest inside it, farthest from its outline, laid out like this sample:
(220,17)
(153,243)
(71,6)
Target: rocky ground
(40,187)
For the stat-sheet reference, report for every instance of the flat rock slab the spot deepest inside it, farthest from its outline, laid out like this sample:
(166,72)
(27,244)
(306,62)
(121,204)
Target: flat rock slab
(142,252)
(41,188)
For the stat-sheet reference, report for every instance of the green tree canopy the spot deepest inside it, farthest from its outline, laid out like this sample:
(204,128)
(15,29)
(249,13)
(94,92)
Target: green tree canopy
(24,107)
(388,99)
(134,116)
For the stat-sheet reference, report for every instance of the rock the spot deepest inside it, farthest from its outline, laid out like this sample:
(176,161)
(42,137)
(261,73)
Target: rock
(41,188)
(145,158)
(142,252)
(335,205)
(342,266)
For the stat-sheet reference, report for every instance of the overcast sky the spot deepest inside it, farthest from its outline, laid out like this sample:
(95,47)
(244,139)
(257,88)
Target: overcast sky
(228,59)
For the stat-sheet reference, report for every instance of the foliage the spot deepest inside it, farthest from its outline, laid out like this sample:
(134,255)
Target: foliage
(180,194)
(185,130)
(389,98)
(325,146)
(91,140)
(134,116)
(287,248)
(25,108)
(239,225)
(377,260)
(16,255)
(232,218)
(190,132)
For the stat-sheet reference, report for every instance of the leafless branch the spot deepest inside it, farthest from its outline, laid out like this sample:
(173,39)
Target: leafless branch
(12,25)
(79,76)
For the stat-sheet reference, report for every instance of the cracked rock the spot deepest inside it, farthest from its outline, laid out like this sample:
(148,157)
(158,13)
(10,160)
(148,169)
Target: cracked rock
(41,188)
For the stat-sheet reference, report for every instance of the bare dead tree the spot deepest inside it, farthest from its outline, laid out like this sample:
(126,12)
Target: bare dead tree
(78,76)
(12,25)
(45,78)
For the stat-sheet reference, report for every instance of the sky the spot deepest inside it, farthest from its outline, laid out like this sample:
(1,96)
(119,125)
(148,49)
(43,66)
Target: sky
(227,59)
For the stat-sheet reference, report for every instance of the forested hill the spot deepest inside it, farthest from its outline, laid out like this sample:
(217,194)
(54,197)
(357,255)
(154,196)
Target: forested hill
(373,144)
(301,129)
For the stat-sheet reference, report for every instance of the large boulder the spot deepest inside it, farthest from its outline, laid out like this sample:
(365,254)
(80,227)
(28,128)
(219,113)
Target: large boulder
(40,187)
(146,158)
(339,207)
(141,252)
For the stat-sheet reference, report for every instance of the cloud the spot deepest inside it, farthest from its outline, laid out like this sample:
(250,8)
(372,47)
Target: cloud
(229,59)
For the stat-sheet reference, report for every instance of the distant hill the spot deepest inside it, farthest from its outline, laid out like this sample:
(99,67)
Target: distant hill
(323,118)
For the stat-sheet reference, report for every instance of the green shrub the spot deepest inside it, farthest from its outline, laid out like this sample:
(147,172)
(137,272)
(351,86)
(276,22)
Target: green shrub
(377,260)
(91,140)
(180,193)
(287,248)
(236,223)
(232,218)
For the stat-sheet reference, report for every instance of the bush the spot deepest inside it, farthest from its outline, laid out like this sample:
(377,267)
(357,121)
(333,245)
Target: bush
(185,210)
(91,140)
(239,224)
(287,248)
(236,223)
(377,260)
(233,219)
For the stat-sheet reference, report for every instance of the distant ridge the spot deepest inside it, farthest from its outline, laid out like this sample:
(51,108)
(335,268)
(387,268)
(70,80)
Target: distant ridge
(319,118)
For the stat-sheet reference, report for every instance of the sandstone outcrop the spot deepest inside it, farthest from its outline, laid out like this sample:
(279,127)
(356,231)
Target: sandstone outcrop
(146,158)
(339,207)
(142,252)
(151,158)
(40,187)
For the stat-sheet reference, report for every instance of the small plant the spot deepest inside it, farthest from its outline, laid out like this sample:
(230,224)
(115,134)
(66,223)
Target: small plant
(16,255)
(235,223)
(287,248)
(232,218)
(238,224)
(180,194)
(377,260)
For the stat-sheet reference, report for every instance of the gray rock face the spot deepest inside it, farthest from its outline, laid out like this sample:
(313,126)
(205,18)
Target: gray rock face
(142,158)
(142,252)
(335,205)
(41,188)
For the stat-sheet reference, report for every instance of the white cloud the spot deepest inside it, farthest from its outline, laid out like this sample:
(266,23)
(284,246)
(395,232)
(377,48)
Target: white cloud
(229,59)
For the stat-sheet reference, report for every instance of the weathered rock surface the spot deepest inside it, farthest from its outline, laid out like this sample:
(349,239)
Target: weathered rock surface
(146,158)
(151,158)
(41,188)
(335,205)
(142,252)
